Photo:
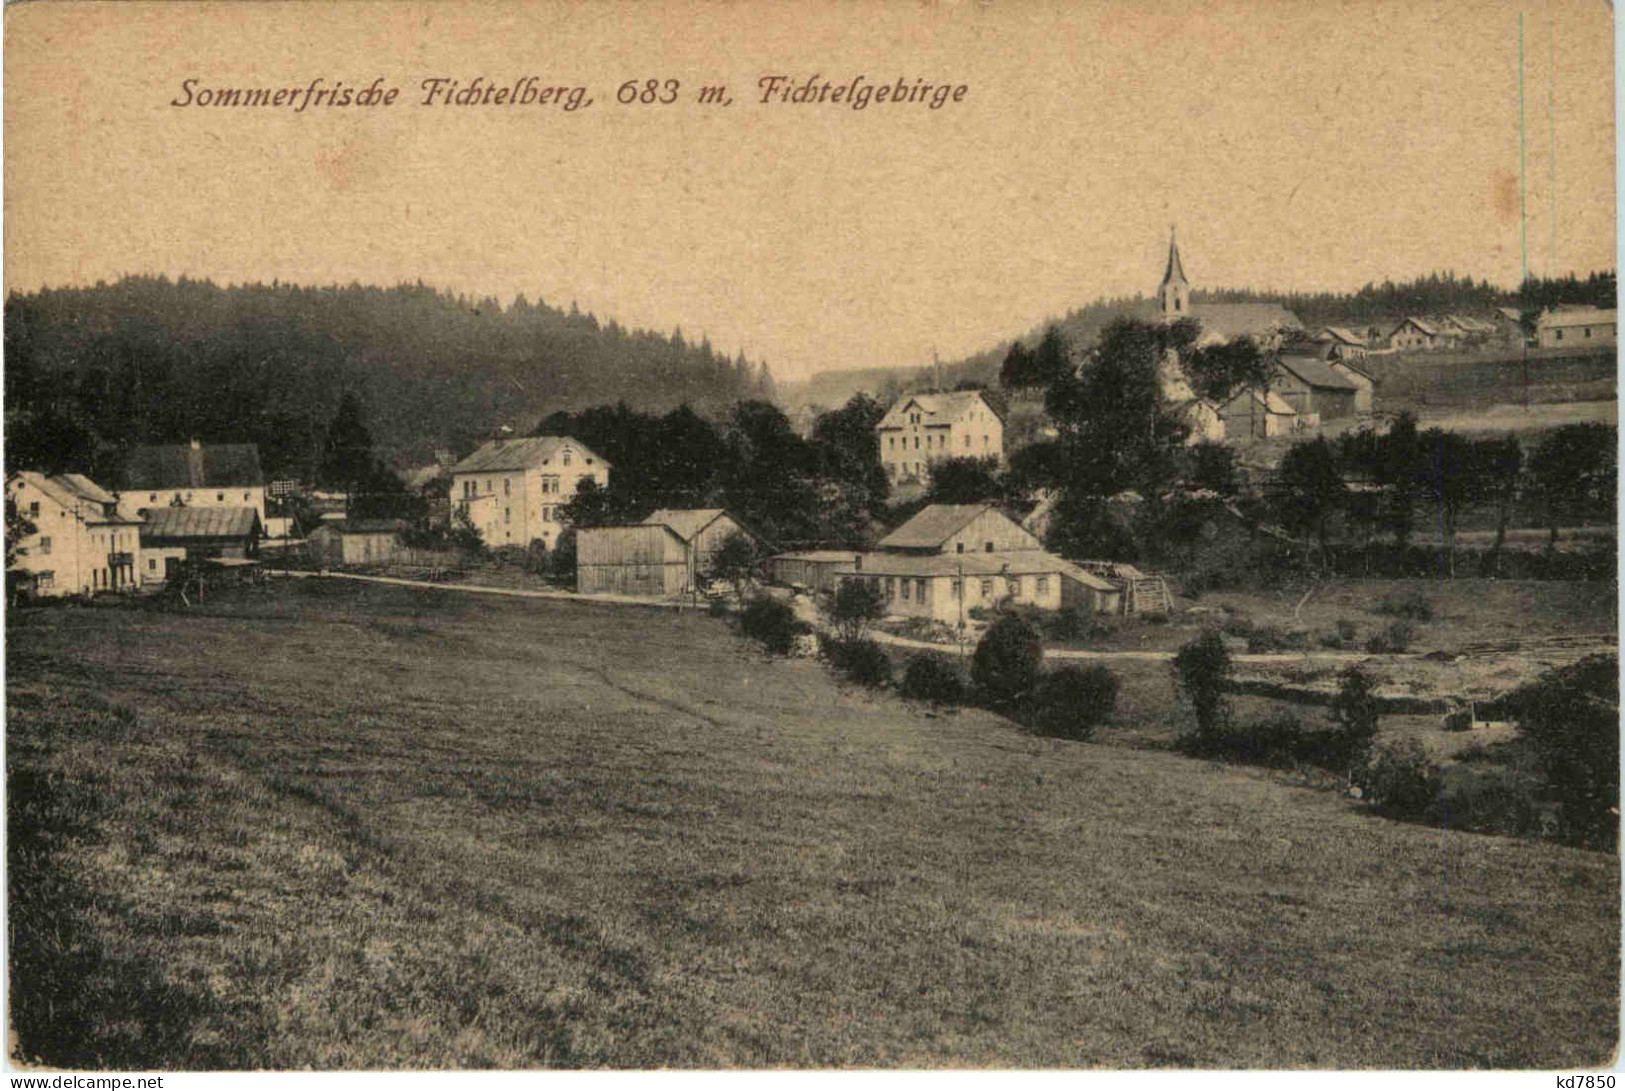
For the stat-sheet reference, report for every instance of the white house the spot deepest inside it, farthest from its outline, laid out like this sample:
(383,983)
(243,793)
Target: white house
(514,490)
(81,544)
(1570,327)
(193,475)
(920,429)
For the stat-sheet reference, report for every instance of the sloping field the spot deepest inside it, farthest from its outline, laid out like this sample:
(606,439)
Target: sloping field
(351,826)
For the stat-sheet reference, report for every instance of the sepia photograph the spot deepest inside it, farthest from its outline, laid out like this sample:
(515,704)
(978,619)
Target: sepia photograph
(994,535)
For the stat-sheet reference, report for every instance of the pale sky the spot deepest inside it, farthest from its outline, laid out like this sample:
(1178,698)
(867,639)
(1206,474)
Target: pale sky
(1297,145)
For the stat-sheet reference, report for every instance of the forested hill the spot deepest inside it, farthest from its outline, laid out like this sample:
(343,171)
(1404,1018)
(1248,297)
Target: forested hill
(91,372)
(1375,305)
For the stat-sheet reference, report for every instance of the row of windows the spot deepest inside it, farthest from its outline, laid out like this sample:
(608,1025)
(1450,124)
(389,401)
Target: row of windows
(551,485)
(219,497)
(908,589)
(941,442)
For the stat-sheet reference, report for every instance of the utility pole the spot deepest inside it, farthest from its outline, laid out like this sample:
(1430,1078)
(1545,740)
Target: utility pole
(1523,214)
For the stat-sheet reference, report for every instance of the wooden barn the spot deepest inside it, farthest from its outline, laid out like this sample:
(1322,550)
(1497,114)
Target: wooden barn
(649,559)
(1312,388)
(703,531)
(817,570)
(356,541)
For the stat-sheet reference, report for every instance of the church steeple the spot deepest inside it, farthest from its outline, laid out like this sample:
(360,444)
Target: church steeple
(1174,295)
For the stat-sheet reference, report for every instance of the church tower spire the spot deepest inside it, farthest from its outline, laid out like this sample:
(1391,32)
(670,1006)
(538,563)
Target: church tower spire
(1174,295)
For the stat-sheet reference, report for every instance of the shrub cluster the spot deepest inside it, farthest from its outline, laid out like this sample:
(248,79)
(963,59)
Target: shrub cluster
(929,678)
(1396,638)
(1571,718)
(859,660)
(1408,603)
(1007,662)
(1400,781)
(1070,703)
(1268,638)
(773,623)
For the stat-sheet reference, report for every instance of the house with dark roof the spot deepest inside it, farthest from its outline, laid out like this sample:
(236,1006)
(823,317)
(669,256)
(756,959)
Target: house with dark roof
(80,544)
(173,534)
(514,490)
(1343,343)
(1314,389)
(920,429)
(213,475)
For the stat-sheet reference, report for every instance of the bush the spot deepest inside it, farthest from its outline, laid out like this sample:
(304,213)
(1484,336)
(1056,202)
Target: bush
(1571,718)
(861,661)
(1492,800)
(1268,638)
(1396,638)
(1007,661)
(1400,781)
(1342,635)
(857,603)
(773,623)
(930,679)
(1071,702)
(1065,625)
(1277,740)
(1201,675)
(1354,721)
(1406,604)
(717,607)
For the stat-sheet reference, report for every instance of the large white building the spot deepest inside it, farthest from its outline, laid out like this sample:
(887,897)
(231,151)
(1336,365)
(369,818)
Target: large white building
(193,475)
(81,544)
(924,428)
(514,490)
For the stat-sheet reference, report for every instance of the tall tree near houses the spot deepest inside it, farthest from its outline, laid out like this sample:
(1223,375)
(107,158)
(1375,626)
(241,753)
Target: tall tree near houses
(848,450)
(1017,370)
(1446,483)
(347,455)
(1497,467)
(1310,490)
(1051,360)
(1574,474)
(1399,468)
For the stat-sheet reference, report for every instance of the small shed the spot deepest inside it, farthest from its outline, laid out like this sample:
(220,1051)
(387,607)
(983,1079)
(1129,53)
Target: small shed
(815,569)
(357,541)
(1256,414)
(648,559)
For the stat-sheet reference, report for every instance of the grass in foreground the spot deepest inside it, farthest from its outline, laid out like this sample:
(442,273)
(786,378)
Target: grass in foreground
(355,827)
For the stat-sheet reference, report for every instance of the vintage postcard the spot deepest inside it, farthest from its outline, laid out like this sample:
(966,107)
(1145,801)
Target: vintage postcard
(1003,535)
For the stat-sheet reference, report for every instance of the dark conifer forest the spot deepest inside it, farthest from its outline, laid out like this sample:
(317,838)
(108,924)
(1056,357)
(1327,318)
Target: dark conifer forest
(92,372)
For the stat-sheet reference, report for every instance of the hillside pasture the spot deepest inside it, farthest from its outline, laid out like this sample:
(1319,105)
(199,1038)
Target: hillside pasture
(353,826)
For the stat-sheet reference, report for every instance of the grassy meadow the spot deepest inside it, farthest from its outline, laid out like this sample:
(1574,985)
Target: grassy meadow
(352,826)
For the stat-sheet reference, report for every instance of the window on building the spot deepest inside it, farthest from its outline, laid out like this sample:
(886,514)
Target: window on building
(247,497)
(959,547)
(45,579)
(919,591)
(967,442)
(153,499)
(567,456)
(507,486)
(891,587)
(33,510)
(959,589)
(152,564)
(1588,331)
(1043,585)
(219,498)
(1015,586)
(916,443)
(507,514)
(905,590)
(1560,335)
(490,485)
(987,589)
(45,547)
(987,547)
